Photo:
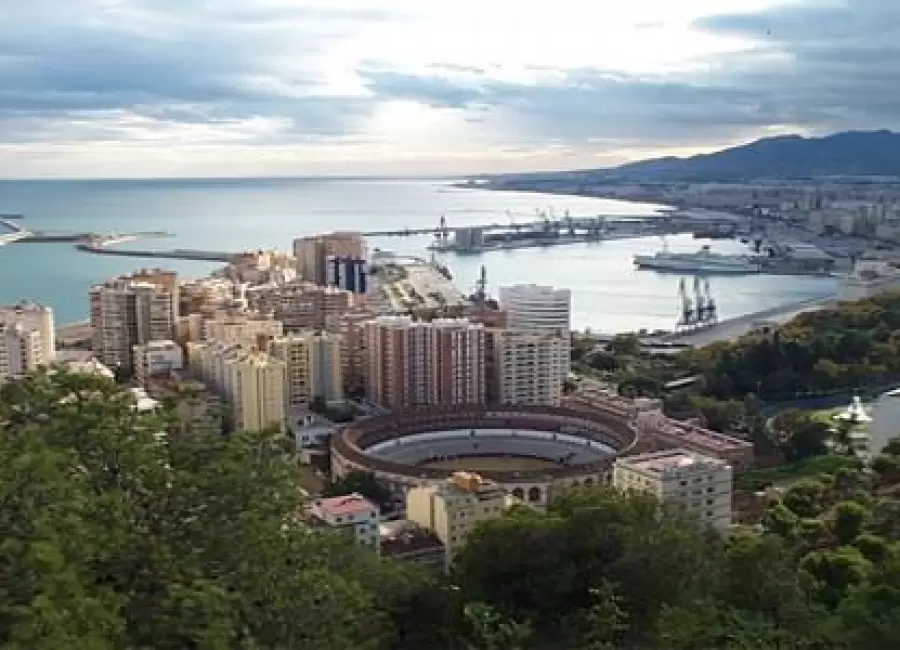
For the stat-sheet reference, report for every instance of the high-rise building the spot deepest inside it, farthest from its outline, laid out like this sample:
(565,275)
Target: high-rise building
(702,485)
(409,363)
(312,253)
(452,509)
(253,383)
(541,308)
(313,366)
(348,273)
(129,311)
(526,366)
(301,305)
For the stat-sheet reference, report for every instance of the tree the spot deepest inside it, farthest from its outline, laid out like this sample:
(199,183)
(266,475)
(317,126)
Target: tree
(849,518)
(801,436)
(492,631)
(887,469)
(836,572)
(119,530)
(625,345)
(870,616)
(363,483)
(806,498)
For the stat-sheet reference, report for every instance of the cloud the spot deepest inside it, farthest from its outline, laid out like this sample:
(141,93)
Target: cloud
(307,78)
(170,63)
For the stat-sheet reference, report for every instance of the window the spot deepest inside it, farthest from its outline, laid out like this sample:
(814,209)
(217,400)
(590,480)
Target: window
(709,513)
(710,502)
(683,483)
(339,520)
(710,489)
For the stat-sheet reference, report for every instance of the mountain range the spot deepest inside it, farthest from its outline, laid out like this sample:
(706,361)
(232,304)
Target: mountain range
(850,153)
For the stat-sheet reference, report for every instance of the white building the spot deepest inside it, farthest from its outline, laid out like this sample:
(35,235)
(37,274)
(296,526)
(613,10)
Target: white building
(247,329)
(313,361)
(541,308)
(27,339)
(528,366)
(702,485)
(156,359)
(353,515)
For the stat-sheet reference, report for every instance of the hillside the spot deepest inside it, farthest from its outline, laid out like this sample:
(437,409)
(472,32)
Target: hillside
(851,153)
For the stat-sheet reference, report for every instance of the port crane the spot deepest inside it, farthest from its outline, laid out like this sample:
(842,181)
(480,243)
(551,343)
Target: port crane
(697,309)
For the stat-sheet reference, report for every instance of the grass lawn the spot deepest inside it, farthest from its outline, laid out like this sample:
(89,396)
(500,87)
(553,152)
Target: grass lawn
(792,472)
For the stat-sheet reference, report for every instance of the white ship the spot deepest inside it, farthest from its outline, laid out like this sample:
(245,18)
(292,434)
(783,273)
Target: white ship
(703,261)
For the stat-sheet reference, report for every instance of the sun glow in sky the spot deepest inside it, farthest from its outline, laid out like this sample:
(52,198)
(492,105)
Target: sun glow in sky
(259,87)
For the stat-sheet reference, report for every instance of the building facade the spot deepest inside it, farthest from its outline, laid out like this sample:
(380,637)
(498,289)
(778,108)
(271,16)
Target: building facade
(702,485)
(301,305)
(312,253)
(410,363)
(156,359)
(251,330)
(252,383)
(354,515)
(126,312)
(348,273)
(27,339)
(540,308)
(527,366)
(313,366)
(454,507)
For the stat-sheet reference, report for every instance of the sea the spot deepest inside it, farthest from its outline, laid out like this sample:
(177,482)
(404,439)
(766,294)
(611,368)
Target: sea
(608,293)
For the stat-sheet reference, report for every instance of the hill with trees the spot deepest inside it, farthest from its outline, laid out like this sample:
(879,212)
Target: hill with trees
(121,529)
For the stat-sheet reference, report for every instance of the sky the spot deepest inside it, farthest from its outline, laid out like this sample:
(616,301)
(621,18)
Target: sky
(172,88)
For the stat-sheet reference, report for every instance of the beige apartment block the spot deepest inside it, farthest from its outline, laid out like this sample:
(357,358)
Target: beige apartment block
(453,508)
(313,363)
(702,485)
(251,330)
(527,366)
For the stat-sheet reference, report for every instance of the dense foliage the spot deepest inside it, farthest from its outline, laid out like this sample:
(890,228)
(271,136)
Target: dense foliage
(853,345)
(114,536)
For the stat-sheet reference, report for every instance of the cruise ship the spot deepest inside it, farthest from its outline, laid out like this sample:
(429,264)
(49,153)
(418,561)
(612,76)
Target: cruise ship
(703,261)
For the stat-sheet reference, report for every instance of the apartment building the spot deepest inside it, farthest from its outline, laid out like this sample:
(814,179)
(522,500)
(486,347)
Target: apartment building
(453,508)
(129,311)
(312,253)
(410,363)
(313,366)
(253,383)
(27,339)
(353,515)
(156,359)
(540,308)
(527,366)
(702,485)
(301,305)
(249,329)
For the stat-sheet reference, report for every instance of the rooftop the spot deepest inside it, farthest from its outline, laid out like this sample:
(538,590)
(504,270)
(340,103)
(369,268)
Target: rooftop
(352,504)
(662,462)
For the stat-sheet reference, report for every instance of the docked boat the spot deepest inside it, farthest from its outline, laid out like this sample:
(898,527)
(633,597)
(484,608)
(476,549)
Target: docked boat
(703,261)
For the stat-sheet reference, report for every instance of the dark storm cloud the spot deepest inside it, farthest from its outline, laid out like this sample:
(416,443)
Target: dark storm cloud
(186,61)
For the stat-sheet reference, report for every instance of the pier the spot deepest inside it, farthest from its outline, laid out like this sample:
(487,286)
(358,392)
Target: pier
(17,232)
